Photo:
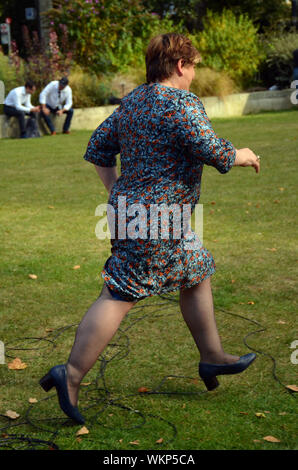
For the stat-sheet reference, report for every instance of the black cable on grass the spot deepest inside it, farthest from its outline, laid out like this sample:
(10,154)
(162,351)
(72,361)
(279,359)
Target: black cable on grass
(104,397)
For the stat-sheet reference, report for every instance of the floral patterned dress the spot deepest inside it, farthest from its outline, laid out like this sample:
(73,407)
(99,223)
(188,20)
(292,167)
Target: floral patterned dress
(164,138)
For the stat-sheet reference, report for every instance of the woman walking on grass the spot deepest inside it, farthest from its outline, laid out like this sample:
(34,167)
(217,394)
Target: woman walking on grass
(164,139)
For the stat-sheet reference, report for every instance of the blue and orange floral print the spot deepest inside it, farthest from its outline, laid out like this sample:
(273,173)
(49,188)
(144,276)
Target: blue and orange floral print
(164,138)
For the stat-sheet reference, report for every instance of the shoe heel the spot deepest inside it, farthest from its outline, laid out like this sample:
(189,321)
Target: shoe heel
(211,383)
(47,382)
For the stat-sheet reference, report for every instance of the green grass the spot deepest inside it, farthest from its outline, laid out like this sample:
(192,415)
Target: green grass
(48,200)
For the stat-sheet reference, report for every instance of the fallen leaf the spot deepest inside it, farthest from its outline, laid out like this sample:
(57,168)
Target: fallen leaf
(249,203)
(135,443)
(51,207)
(256,440)
(258,205)
(48,330)
(111,414)
(282,413)
(260,415)
(79,439)
(85,384)
(281,189)
(266,411)
(76,267)
(250,302)
(159,441)
(281,322)
(211,212)
(120,440)
(184,405)
(233,281)
(33,400)
(32,276)
(213,203)
(294,388)
(17,364)
(12,414)
(276,201)
(215,241)
(271,439)
(143,390)
(243,413)
(271,249)
(82,431)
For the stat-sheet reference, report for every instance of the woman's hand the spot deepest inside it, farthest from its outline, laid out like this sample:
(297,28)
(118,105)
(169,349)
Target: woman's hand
(245,157)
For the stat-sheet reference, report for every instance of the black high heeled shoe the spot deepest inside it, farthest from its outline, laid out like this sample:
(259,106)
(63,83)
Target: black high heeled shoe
(57,377)
(208,372)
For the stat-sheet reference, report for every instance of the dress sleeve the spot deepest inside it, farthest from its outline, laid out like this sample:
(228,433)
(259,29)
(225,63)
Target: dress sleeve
(200,139)
(103,145)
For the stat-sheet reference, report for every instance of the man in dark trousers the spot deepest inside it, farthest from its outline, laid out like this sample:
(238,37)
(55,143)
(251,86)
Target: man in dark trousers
(18,104)
(56,98)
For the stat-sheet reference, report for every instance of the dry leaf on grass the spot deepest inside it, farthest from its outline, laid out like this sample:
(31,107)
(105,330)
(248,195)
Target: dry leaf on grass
(135,443)
(32,276)
(271,439)
(159,441)
(12,414)
(85,384)
(76,267)
(243,412)
(260,415)
(271,249)
(250,302)
(143,390)
(294,388)
(281,322)
(17,364)
(32,400)
(281,189)
(82,431)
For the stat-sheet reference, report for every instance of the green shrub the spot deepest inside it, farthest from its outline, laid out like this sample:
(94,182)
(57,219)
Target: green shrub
(9,74)
(230,44)
(88,90)
(277,68)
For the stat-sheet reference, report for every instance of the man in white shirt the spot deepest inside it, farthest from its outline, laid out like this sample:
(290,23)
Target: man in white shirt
(56,98)
(18,104)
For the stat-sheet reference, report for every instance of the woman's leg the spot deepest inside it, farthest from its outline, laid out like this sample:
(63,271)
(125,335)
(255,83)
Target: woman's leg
(196,305)
(95,331)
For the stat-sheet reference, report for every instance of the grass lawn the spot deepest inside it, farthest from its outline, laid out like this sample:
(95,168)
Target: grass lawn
(48,200)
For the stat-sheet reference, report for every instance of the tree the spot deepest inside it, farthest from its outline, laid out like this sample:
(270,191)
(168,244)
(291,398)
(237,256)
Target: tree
(106,35)
(263,13)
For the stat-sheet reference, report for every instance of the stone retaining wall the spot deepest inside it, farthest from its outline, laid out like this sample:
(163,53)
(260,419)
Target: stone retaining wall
(230,106)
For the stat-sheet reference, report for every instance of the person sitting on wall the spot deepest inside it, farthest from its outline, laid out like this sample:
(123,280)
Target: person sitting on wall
(56,98)
(18,104)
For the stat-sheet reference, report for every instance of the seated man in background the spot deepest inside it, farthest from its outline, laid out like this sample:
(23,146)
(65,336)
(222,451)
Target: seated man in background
(18,104)
(56,98)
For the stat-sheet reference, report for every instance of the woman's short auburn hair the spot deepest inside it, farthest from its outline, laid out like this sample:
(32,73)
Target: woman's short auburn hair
(163,53)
